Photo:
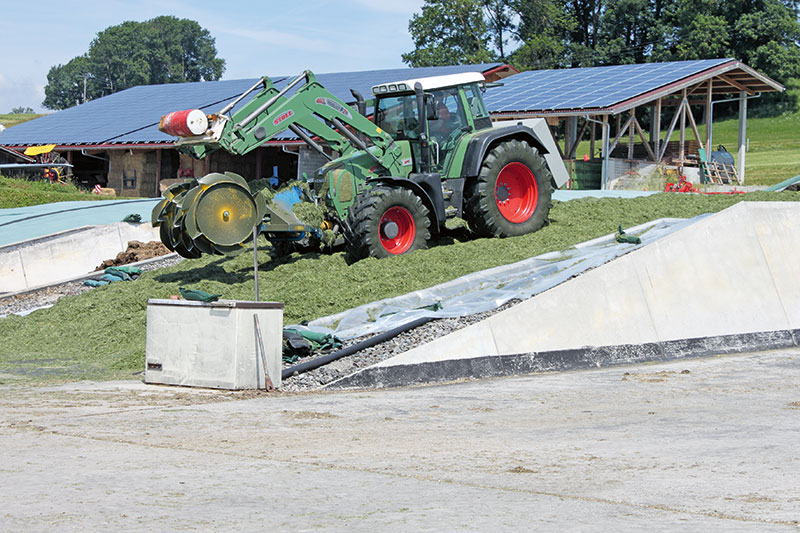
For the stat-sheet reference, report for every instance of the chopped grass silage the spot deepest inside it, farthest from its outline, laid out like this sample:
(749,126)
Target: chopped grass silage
(101,334)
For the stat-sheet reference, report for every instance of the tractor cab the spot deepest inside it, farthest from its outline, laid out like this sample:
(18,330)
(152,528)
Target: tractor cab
(452,107)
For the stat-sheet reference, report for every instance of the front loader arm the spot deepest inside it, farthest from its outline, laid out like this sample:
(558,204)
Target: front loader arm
(312,111)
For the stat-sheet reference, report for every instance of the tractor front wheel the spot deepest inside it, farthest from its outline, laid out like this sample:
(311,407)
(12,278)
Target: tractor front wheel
(511,195)
(386,221)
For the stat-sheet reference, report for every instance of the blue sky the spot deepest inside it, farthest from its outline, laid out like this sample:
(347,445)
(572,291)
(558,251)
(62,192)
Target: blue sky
(255,38)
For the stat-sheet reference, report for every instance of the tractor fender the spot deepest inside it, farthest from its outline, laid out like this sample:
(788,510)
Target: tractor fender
(429,189)
(481,143)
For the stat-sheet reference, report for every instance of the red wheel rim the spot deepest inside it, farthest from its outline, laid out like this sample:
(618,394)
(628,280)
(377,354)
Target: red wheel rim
(397,230)
(516,192)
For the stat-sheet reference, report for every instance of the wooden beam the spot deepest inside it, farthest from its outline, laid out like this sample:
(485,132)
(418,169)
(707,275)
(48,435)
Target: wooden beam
(644,141)
(709,115)
(694,125)
(158,172)
(669,132)
(578,140)
(620,133)
(631,134)
(592,137)
(682,152)
(656,146)
(735,84)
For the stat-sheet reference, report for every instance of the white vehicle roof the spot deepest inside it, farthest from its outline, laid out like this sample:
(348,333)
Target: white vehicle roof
(430,83)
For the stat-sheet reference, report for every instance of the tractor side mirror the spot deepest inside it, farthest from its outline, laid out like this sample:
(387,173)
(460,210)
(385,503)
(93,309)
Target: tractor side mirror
(430,109)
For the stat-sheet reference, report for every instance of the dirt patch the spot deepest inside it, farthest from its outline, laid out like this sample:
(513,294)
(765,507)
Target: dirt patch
(136,251)
(652,377)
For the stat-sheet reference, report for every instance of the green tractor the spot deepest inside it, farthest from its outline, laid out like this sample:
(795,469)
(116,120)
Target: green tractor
(432,153)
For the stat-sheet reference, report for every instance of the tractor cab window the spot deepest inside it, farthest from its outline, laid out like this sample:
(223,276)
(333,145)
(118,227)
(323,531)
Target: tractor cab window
(397,115)
(446,129)
(477,107)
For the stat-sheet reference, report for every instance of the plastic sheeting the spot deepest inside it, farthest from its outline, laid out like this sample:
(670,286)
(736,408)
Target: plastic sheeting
(489,289)
(23,223)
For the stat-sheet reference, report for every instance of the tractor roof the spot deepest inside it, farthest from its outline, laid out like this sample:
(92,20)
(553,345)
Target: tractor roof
(433,82)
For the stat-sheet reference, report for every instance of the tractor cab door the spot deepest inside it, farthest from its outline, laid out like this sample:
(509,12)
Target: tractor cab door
(398,116)
(447,125)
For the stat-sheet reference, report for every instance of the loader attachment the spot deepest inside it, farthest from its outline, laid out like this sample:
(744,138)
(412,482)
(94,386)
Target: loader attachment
(217,214)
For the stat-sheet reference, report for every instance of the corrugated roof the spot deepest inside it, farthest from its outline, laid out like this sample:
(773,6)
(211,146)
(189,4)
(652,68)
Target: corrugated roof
(131,116)
(610,88)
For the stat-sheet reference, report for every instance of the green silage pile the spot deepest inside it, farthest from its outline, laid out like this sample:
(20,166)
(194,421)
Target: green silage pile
(101,334)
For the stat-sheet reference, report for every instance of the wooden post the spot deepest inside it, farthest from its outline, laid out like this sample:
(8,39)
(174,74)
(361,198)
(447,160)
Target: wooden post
(158,171)
(657,122)
(630,134)
(592,136)
(709,117)
(684,105)
(742,135)
(606,155)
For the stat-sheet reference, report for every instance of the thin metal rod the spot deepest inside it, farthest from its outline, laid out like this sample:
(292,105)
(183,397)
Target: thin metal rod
(255,258)
(294,128)
(252,116)
(241,96)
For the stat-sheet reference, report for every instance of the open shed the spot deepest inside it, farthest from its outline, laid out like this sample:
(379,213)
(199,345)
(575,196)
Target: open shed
(581,100)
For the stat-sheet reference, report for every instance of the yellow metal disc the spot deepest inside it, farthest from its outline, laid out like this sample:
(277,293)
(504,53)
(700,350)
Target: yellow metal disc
(225,214)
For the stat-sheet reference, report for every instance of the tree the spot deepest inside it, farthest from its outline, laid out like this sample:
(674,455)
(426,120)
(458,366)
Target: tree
(65,84)
(765,34)
(21,111)
(449,32)
(161,50)
(543,28)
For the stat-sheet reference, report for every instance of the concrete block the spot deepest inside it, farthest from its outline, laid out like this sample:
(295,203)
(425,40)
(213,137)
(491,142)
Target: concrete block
(727,283)
(776,225)
(67,254)
(710,279)
(212,345)
(12,272)
(604,306)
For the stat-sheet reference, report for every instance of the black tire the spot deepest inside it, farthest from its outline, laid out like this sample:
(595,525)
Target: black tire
(366,237)
(517,203)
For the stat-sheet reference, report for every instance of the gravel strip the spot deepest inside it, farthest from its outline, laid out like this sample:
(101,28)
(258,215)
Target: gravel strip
(318,377)
(47,296)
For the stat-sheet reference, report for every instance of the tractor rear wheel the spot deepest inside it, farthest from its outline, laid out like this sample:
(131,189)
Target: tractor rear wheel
(511,195)
(386,221)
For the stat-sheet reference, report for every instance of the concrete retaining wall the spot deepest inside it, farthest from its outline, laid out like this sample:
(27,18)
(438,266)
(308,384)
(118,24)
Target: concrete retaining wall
(731,274)
(63,255)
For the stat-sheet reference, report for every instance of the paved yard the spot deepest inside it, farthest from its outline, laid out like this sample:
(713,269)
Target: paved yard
(711,444)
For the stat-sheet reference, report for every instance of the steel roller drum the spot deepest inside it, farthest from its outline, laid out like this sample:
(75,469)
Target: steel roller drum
(224,211)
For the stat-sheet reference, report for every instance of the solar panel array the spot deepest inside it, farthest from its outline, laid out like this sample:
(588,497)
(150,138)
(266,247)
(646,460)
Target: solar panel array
(132,115)
(588,88)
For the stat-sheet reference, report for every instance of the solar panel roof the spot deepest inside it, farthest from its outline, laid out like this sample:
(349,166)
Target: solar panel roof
(132,115)
(588,88)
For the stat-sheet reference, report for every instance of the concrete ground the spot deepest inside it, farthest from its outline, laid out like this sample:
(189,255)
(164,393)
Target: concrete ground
(701,444)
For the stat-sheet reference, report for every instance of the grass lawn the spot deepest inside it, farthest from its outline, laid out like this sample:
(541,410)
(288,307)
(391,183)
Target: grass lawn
(101,334)
(11,119)
(16,192)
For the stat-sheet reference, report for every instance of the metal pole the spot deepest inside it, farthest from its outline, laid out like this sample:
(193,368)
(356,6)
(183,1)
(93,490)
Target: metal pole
(742,134)
(255,258)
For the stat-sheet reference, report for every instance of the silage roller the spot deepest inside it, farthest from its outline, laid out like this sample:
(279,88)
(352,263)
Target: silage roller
(214,214)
